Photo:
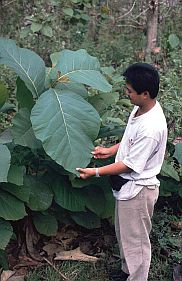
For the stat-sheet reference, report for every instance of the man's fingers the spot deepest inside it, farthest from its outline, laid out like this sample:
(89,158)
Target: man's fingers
(80,170)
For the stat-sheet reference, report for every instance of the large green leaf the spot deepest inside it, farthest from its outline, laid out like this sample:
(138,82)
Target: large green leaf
(10,207)
(3,260)
(103,100)
(88,220)
(45,224)
(40,194)
(173,40)
(22,131)
(3,94)
(167,187)
(20,192)
(5,159)
(15,174)
(6,136)
(169,171)
(68,197)
(27,64)
(178,152)
(80,67)
(6,232)
(95,200)
(23,95)
(66,124)
(73,88)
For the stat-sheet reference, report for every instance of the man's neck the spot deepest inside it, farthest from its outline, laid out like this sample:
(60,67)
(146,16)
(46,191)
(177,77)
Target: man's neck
(145,108)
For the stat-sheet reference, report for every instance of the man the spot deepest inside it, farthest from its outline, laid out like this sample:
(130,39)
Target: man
(138,160)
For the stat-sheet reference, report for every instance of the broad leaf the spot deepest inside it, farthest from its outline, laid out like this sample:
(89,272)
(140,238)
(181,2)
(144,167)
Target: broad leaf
(88,220)
(7,107)
(102,101)
(178,152)
(27,64)
(109,206)
(15,174)
(173,40)
(6,232)
(66,124)
(24,32)
(68,12)
(3,94)
(45,224)
(3,260)
(40,194)
(47,31)
(20,192)
(72,87)
(68,197)
(54,58)
(95,200)
(35,26)
(167,187)
(5,159)
(80,67)
(23,95)
(6,137)
(10,207)
(22,131)
(169,171)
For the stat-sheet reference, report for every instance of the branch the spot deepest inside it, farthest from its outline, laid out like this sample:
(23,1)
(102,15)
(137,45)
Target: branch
(63,277)
(128,11)
(130,25)
(8,3)
(143,12)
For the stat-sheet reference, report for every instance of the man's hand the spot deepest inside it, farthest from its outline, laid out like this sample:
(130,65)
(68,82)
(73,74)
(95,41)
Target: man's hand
(101,152)
(86,173)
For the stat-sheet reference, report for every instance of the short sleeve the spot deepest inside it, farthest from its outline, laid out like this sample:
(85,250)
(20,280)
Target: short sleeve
(142,149)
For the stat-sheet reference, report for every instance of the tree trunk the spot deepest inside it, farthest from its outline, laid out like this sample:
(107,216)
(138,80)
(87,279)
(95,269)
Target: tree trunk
(152,22)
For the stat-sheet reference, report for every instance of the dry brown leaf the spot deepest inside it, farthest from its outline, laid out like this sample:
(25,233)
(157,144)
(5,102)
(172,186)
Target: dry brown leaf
(16,278)
(176,224)
(32,238)
(156,50)
(75,255)
(25,261)
(6,274)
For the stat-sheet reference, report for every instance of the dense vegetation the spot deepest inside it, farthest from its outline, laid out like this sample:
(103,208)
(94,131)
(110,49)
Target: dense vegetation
(56,103)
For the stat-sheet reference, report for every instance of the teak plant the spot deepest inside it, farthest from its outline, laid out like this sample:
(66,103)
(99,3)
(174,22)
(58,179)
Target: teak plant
(52,133)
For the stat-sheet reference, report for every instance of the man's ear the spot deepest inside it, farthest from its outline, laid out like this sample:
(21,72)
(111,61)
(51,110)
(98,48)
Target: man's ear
(146,94)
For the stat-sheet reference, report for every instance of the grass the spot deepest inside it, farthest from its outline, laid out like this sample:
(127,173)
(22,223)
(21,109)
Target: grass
(80,271)
(74,271)
(166,253)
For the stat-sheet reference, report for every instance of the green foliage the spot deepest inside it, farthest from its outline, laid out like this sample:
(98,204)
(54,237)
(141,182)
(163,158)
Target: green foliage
(28,65)
(174,41)
(45,224)
(6,232)
(4,162)
(166,234)
(52,133)
(3,94)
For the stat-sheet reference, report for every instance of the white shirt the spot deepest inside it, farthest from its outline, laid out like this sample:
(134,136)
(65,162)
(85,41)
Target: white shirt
(142,149)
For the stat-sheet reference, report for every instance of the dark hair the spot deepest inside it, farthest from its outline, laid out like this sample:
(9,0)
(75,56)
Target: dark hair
(143,77)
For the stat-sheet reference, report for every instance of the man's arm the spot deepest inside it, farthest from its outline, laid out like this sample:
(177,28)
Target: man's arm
(112,169)
(105,152)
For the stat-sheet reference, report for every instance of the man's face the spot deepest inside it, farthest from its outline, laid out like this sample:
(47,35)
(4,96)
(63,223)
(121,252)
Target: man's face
(135,98)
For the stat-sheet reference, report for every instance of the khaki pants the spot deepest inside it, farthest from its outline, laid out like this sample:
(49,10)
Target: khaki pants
(133,225)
